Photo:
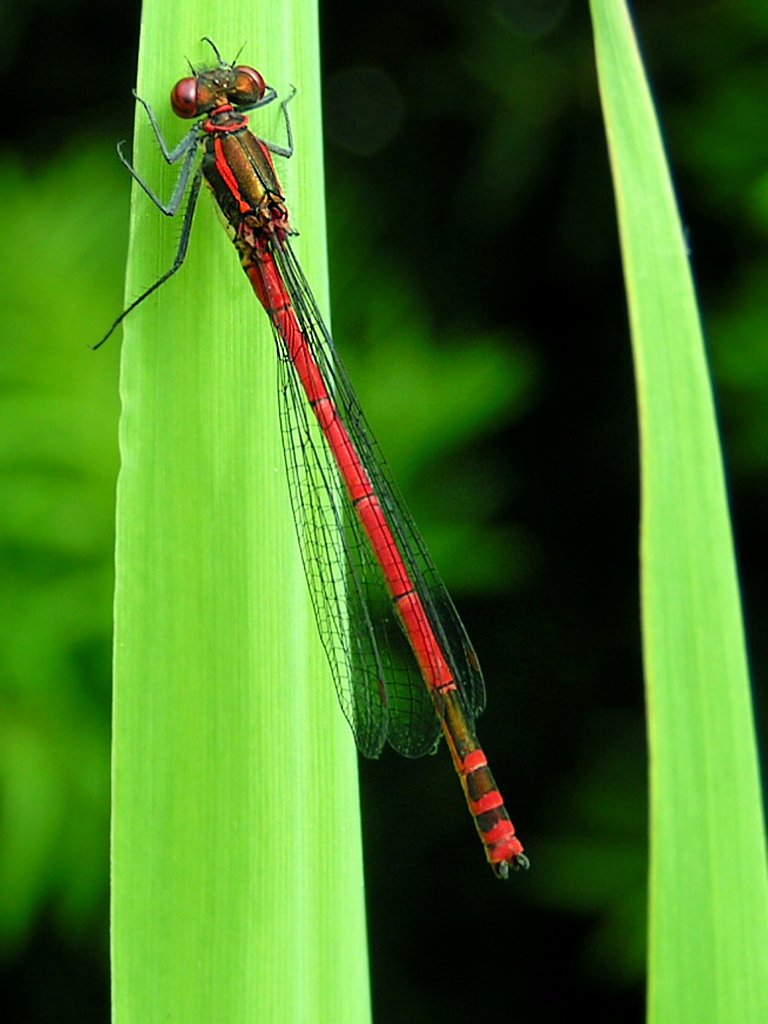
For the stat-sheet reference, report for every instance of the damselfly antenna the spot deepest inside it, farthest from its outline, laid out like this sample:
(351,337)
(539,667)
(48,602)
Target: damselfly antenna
(214,47)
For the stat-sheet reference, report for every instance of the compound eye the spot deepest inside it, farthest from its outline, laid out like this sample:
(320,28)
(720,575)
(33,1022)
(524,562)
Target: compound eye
(248,86)
(184,100)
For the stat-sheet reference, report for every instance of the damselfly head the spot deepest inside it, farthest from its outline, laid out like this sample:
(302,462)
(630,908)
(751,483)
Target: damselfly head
(240,86)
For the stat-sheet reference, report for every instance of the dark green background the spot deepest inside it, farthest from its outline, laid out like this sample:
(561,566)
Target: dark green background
(477,297)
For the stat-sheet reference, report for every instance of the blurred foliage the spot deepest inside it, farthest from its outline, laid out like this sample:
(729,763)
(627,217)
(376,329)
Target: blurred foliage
(477,298)
(58,461)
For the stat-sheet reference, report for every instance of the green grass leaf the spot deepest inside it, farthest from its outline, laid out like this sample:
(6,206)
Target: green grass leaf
(237,878)
(708,893)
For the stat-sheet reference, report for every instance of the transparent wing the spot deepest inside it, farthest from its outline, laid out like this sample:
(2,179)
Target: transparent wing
(378,681)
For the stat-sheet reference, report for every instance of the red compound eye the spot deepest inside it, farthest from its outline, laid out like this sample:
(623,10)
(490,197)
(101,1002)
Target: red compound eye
(248,86)
(184,98)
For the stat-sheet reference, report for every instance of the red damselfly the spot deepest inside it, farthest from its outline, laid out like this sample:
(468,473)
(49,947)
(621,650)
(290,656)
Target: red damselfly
(372,581)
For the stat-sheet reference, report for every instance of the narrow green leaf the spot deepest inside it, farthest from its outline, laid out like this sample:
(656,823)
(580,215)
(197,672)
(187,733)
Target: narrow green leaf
(709,898)
(237,878)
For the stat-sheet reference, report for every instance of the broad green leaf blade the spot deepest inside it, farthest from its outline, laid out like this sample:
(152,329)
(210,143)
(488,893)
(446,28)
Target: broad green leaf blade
(709,901)
(237,878)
